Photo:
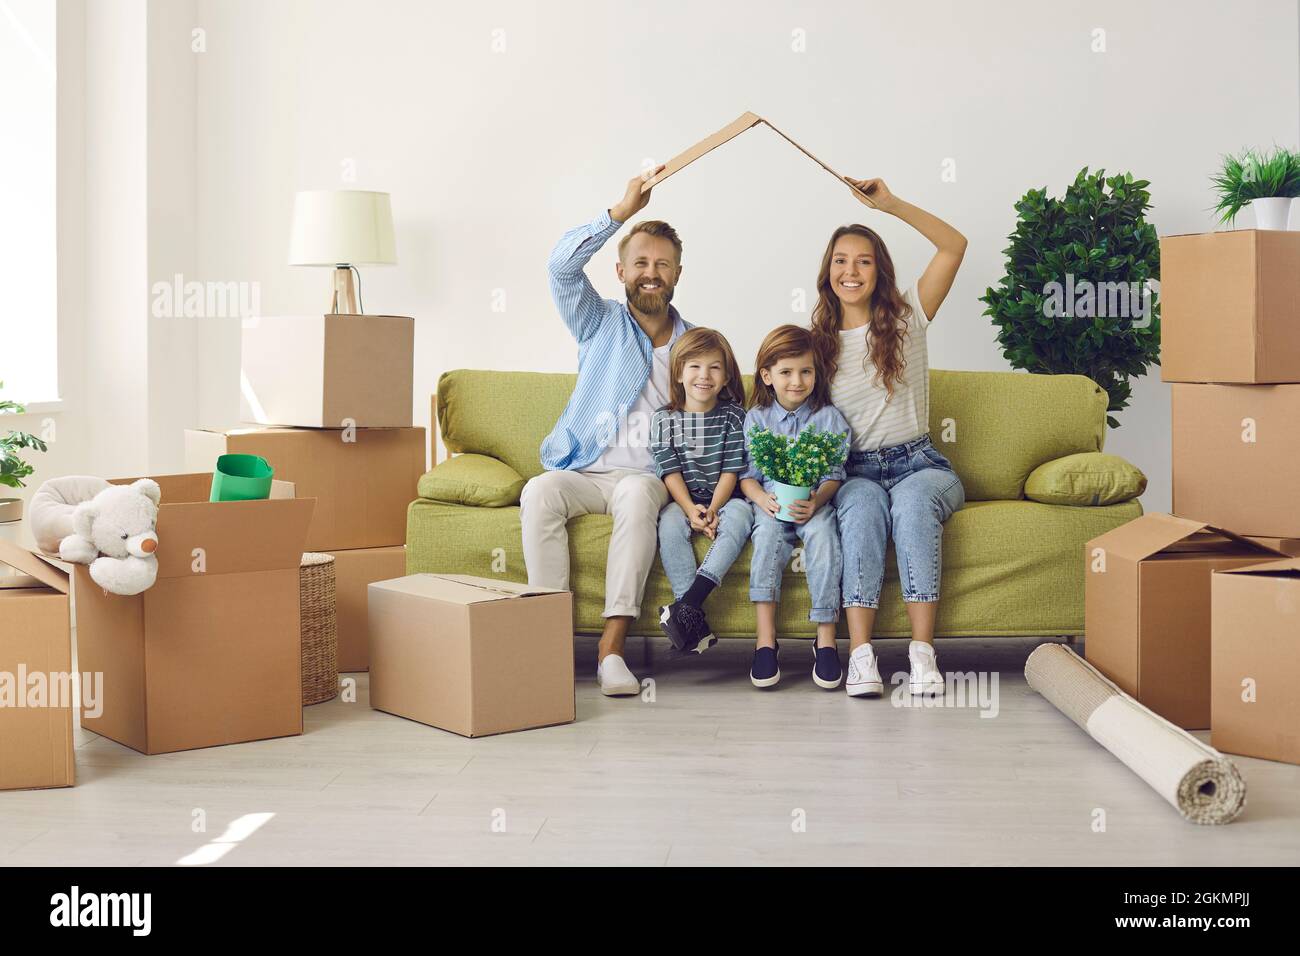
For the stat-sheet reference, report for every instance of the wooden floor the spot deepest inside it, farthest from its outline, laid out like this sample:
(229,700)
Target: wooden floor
(710,772)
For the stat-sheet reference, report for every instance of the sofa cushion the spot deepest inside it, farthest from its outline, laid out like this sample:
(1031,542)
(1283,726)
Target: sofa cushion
(995,427)
(1088,478)
(473,480)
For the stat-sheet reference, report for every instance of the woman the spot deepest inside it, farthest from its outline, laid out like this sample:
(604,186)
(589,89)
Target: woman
(872,339)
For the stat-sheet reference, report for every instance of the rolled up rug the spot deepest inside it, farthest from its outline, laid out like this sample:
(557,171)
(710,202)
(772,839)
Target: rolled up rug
(1201,783)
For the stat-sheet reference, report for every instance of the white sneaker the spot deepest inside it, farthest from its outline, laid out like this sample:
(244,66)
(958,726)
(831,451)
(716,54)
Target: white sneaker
(615,679)
(864,675)
(925,678)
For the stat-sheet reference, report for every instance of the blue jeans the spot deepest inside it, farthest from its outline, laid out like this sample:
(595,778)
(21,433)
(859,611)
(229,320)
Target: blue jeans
(734,522)
(905,491)
(773,544)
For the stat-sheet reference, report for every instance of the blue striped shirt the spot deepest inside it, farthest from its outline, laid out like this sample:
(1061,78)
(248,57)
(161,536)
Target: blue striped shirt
(614,355)
(780,422)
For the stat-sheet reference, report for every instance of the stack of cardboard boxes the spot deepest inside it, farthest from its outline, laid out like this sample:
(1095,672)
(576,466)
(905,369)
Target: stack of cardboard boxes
(329,400)
(1197,614)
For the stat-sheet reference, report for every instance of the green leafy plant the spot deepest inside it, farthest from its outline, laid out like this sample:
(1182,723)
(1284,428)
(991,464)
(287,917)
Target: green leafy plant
(12,468)
(1252,175)
(803,462)
(1075,298)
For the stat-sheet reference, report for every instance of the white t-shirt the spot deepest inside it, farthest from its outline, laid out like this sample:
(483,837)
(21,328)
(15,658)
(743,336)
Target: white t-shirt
(877,420)
(631,449)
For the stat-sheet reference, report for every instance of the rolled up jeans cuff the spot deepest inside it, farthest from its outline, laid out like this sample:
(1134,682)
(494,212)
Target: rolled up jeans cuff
(921,598)
(873,605)
(766,595)
(824,615)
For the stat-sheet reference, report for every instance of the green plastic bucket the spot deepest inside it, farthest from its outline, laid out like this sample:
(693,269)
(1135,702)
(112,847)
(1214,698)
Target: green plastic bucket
(241,478)
(786,494)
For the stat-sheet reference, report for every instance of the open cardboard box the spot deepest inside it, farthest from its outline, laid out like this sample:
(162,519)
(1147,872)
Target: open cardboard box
(327,371)
(1255,663)
(211,653)
(36,689)
(1235,451)
(363,479)
(1230,307)
(1147,609)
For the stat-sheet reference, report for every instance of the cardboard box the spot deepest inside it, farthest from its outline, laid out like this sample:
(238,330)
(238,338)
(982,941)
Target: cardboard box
(36,748)
(1236,457)
(1230,307)
(1147,609)
(362,479)
(1255,665)
(471,655)
(745,121)
(353,573)
(1288,546)
(327,371)
(211,653)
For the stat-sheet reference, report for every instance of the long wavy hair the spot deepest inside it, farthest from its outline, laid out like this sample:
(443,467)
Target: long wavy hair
(785,341)
(886,332)
(698,341)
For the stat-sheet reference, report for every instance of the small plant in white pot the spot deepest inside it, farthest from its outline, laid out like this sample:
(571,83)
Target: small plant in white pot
(796,467)
(1265,182)
(12,468)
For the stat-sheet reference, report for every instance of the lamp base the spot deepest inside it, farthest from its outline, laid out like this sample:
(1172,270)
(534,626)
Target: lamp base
(345,292)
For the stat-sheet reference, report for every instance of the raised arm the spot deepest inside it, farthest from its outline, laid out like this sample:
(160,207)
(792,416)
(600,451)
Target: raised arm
(950,245)
(579,303)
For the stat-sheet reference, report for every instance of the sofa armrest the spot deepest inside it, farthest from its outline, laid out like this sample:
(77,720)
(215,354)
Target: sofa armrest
(1085,479)
(475,480)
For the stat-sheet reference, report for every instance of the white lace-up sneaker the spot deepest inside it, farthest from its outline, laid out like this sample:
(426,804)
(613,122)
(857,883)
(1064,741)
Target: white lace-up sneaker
(925,678)
(615,678)
(864,675)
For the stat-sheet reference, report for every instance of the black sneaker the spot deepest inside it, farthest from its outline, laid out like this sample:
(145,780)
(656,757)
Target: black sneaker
(826,668)
(765,671)
(687,628)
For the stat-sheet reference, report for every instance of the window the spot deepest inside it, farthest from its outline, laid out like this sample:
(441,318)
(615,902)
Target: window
(28,311)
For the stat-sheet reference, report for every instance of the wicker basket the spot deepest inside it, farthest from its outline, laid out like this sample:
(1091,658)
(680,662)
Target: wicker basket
(320,646)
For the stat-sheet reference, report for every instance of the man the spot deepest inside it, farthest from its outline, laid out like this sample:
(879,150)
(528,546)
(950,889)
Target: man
(597,458)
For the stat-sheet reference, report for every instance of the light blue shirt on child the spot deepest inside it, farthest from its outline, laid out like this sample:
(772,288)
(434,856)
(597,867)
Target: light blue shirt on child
(781,422)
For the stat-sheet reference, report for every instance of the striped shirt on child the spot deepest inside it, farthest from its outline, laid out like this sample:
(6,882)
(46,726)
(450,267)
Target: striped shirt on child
(700,445)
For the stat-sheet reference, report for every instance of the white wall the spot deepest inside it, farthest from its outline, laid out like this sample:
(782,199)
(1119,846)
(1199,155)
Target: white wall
(489,156)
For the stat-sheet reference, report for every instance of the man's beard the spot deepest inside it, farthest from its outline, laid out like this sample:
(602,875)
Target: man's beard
(651,303)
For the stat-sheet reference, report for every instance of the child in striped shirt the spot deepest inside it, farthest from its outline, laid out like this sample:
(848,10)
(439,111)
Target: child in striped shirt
(697,442)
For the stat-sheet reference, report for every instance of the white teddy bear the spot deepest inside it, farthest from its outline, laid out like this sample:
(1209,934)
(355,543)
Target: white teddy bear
(114,533)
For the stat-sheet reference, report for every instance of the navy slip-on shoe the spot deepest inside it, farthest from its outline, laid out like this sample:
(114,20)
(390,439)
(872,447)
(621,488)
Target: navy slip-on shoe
(826,667)
(765,671)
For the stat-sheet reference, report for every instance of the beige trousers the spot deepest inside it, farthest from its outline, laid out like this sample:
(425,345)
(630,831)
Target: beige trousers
(633,498)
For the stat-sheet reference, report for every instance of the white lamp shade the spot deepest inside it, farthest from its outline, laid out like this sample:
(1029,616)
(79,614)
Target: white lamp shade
(334,226)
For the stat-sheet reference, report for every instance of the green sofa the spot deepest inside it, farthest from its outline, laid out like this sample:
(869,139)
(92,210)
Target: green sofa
(1011,566)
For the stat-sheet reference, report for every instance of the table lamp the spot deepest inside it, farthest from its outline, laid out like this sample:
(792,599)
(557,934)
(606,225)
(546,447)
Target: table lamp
(342,228)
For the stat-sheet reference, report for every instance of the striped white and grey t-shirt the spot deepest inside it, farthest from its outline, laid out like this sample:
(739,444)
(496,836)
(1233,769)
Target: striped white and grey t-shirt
(700,445)
(877,420)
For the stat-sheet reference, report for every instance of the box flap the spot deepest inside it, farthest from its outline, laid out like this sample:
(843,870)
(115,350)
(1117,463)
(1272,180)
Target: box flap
(1287,567)
(49,571)
(1146,535)
(464,589)
(231,536)
(495,589)
(745,121)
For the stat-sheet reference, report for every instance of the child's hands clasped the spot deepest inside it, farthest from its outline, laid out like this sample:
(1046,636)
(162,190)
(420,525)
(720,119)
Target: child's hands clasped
(711,522)
(697,515)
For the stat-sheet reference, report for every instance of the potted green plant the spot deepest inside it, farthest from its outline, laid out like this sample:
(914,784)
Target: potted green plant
(1267,182)
(796,467)
(12,468)
(1076,297)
